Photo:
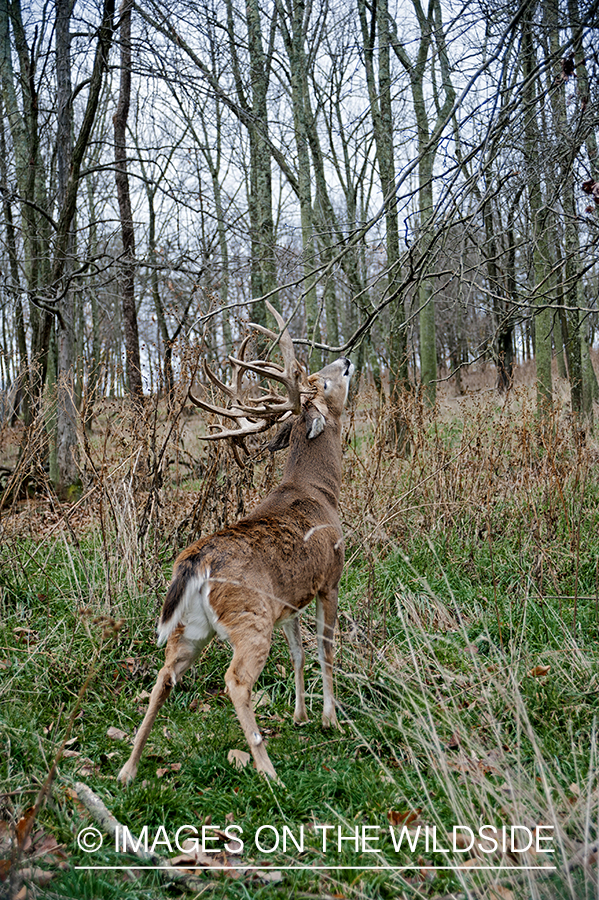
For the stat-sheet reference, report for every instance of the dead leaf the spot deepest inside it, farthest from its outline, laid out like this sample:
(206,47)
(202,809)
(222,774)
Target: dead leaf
(48,845)
(131,874)
(475,766)
(115,734)
(4,869)
(591,187)
(24,825)
(460,840)
(41,877)
(539,671)
(86,767)
(260,699)
(269,877)
(454,741)
(143,695)
(500,893)
(173,767)
(26,634)
(402,818)
(238,758)
(197,858)
(72,796)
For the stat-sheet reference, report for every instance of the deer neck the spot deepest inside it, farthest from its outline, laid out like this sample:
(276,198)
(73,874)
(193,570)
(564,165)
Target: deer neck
(314,465)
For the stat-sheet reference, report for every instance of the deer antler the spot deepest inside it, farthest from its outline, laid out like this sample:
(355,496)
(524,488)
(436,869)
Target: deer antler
(254,415)
(291,375)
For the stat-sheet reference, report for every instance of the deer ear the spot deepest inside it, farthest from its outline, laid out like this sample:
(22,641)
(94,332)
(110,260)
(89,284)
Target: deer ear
(315,423)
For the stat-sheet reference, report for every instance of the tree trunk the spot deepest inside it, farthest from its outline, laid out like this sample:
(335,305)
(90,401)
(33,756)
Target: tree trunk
(294,37)
(382,120)
(67,473)
(543,317)
(127,266)
(431,27)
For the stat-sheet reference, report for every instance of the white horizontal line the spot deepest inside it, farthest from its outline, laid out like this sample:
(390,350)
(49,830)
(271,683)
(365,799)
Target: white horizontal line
(319,868)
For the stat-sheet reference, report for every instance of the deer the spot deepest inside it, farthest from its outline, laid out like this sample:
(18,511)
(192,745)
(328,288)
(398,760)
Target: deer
(258,574)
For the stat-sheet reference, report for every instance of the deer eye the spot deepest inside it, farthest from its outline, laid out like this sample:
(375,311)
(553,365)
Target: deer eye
(327,386)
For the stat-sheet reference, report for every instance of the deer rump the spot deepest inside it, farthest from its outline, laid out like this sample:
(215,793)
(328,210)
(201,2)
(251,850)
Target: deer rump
(260,569)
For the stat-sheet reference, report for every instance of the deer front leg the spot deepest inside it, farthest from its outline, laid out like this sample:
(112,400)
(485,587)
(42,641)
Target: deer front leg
(180,655)
(326,616)
(249,657)
(293,635)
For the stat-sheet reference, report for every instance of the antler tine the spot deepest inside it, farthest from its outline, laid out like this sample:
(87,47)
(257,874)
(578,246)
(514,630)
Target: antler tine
(232,390)
(232,412)
(225,388)
(246,422)
(290,375)
(238,369)
(283,339)
(247,428)
(252,416)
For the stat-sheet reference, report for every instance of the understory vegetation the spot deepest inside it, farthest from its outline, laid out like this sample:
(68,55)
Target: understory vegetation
(467,670)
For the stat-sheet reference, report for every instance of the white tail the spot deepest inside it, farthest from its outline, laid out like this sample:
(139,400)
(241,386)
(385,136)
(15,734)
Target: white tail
(260,573)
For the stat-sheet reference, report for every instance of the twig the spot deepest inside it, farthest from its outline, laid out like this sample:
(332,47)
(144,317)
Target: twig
(100,814)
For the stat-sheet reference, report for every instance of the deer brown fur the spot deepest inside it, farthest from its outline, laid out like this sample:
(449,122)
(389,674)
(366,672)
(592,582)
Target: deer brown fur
(260,573)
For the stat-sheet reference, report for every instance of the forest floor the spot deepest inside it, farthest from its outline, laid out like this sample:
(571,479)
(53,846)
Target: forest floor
(467,669)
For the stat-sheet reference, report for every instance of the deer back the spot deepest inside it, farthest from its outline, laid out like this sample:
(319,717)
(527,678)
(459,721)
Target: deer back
(290,547)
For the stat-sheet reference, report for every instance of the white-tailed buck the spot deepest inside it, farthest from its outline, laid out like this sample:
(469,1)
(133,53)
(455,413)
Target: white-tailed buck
(251,577)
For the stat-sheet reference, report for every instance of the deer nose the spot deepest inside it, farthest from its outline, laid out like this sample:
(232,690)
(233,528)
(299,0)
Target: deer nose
(349,367)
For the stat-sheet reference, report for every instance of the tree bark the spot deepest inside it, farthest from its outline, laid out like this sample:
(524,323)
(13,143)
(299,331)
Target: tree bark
(382,120)
(293,23)
(538,213)
(66,476)
(431,26)
(127,265)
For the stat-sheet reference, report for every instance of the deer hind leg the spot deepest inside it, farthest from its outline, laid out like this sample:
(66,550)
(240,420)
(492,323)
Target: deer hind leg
(326,616)
(293,635)
(250,652)
(180,655)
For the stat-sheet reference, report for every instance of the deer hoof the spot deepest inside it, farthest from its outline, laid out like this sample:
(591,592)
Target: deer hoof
(127,774)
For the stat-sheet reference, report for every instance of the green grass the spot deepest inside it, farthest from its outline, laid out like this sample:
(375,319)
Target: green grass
(467,681)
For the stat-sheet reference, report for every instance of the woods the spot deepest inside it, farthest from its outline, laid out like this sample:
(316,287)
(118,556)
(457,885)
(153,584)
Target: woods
(415,186)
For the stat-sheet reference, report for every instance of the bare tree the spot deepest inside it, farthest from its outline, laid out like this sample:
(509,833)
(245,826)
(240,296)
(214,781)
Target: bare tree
(127,265)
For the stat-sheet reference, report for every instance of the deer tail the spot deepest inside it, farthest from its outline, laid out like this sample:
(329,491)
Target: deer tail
(186,584)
